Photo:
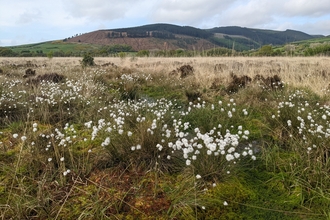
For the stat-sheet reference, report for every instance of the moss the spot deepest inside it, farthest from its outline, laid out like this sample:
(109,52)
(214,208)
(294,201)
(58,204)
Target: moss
(160,91)
(273,196)
(8,156)
(233,192)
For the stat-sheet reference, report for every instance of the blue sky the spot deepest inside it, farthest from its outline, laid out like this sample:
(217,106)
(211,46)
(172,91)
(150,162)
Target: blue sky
(23,22)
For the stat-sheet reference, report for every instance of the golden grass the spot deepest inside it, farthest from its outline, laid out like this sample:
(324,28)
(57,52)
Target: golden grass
(311,72)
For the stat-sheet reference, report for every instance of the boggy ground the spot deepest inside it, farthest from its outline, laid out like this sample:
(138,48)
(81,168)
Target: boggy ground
(297,71)
(164,138)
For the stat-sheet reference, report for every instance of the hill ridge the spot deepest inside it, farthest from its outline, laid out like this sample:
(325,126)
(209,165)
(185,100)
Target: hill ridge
(163,36)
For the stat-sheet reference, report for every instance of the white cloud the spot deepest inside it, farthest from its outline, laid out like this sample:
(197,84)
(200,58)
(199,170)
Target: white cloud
(249,14)
(99,9)
(317,27)
(306,8)
(29,17)
(193,12)
(36,19)
(279,15)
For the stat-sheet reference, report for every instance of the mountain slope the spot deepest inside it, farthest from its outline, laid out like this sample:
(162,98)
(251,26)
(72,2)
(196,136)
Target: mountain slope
(264,37)
(171,37)
(138,41)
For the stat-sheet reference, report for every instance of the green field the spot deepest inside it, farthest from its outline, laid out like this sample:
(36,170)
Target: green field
(67,49)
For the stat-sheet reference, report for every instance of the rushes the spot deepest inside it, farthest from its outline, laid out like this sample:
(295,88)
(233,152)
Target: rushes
(306,131)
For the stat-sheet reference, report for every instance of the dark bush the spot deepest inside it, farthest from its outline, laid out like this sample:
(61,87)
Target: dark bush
(87,60)
(271,82)
(237,83)
(192,96)
(185,71)
(29,72)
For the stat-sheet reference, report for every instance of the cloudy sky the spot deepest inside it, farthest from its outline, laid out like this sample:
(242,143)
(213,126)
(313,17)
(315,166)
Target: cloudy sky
(23,22)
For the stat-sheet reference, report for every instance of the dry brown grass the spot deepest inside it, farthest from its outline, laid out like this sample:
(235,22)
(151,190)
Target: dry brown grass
(313,73)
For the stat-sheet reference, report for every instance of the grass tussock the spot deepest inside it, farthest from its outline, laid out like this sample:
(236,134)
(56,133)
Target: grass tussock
(123,139)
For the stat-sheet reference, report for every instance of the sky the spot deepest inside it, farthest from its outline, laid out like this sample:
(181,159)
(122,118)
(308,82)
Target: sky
(33,21)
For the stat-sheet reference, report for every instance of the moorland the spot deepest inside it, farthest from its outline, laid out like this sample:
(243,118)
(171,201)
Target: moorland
(165,138)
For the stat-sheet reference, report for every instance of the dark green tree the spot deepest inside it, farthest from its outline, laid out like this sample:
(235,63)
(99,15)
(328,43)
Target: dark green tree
(6,52)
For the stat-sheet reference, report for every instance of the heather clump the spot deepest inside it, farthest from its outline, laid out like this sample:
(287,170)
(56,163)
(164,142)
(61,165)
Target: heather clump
(237,83)
(29,72)
(270,82)
(183,71)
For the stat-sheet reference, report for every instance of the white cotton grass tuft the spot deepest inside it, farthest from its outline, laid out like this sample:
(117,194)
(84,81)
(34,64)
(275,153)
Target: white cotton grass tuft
(23,138)
(66,172)
(34,127)
(106,142)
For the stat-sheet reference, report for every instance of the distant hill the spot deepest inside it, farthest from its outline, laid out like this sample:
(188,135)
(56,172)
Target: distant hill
(264,37)
(172,37)
(169,39)
(151,37)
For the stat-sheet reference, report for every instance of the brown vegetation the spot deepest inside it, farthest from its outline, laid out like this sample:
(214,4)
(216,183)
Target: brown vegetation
(50,77)
(220,67)
(184,71)
(193,96)
(271,82)
(29,72)
(143,43)
(237,83)
(213,73)
(109,64)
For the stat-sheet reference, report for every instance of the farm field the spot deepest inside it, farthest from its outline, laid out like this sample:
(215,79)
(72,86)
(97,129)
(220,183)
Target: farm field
(165,138)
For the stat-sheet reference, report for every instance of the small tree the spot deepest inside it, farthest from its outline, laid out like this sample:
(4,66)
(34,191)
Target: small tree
(87,60)
(290,49)
(122,55)
(143,53)
(266,50)
(50,54)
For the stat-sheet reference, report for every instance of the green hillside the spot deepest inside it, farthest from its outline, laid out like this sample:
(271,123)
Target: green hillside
(264,37)
(319,46)
(58,48)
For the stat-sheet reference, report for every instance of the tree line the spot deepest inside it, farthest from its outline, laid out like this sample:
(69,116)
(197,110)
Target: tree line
(125,50)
